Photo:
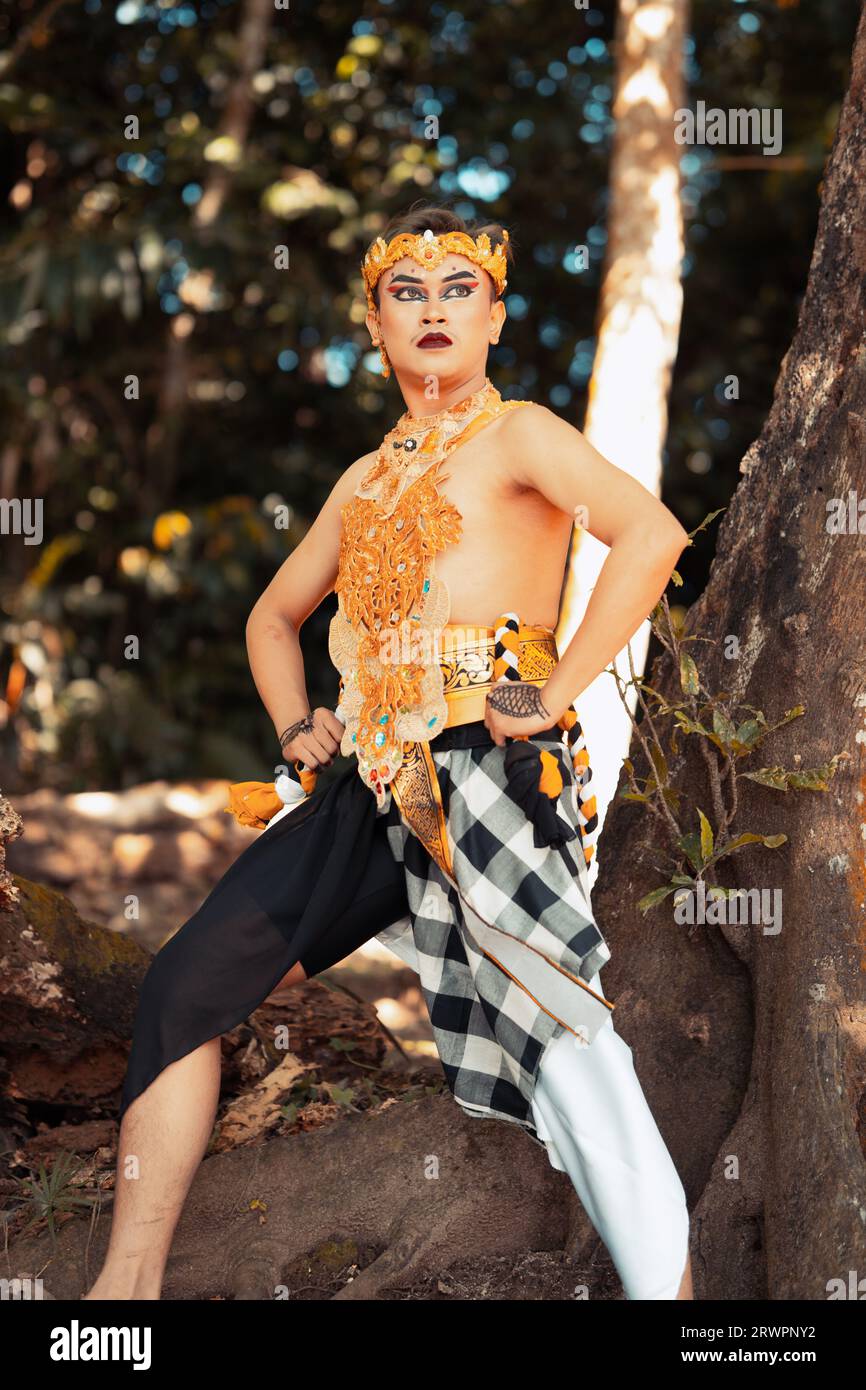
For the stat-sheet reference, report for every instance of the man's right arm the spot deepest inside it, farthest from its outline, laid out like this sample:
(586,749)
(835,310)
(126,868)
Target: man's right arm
(273,646)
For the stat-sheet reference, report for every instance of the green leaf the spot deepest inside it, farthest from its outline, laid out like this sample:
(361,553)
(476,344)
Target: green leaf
(689,725)
(689,680)
(647,689)
(342,1095)
(747,838)
(691,846)
(813,779)
(656,896)
(706,836)
(749,732)
(723,726)
(774,777)
(658,762)
(706,521)
(794,713)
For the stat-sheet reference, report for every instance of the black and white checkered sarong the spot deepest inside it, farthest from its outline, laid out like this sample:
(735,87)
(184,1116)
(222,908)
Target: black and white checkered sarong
(530,907)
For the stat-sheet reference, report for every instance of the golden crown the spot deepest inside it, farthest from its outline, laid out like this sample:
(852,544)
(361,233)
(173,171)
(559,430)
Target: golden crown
(430,250)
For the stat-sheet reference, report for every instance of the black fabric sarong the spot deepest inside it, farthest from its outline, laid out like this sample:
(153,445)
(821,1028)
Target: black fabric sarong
(311,888)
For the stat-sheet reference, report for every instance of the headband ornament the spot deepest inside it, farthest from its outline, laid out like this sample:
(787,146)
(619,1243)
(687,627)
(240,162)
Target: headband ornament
(429,251)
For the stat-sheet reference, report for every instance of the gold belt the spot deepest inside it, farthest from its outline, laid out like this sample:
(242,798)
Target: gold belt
(467,666)
(467,655)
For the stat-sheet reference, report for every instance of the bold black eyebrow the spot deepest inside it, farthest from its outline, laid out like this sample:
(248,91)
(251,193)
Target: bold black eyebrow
(413,279)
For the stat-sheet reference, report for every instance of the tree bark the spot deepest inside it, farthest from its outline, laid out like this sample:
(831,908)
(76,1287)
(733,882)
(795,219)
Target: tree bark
(751,1044)
(68,992)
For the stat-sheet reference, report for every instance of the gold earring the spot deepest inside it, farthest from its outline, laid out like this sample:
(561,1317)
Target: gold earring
(386,365)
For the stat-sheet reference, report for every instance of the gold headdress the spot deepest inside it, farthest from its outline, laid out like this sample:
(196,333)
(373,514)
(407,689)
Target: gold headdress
(430,250)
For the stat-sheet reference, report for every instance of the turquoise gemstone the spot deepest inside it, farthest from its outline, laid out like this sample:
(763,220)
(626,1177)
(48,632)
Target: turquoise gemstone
(384,719)
(426,585)
(431,722)
(379,740)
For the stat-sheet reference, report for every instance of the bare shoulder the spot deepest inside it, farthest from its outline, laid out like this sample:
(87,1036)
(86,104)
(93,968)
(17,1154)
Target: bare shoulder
(533,426)
(531,434)
(345,485)
(356,470)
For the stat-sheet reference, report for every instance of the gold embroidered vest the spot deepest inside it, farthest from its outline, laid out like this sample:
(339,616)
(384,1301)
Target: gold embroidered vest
(384,637)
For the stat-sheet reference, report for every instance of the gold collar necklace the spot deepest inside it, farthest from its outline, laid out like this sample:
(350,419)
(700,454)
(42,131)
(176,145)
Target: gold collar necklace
(420,424)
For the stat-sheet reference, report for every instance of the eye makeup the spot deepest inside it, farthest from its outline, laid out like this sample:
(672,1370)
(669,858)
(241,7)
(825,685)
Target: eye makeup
(404,294)
(467,280)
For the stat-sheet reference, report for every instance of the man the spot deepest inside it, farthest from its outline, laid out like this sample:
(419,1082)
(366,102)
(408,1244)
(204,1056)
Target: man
(460,833)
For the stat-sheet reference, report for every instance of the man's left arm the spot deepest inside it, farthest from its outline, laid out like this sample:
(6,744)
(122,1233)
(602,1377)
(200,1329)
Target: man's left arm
(546,453)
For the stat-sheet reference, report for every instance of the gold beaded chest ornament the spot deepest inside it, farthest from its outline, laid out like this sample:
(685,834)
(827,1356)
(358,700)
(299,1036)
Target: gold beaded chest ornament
(384,637)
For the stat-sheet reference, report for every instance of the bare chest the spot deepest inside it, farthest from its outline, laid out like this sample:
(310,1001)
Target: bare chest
(514,542)
(499,546)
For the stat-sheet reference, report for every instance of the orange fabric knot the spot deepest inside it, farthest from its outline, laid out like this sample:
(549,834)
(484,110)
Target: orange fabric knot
(550,780)
(549,772)
(309,776)
(253,803)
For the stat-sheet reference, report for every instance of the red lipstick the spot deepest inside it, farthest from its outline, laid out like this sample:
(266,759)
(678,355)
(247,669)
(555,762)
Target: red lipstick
(434,340)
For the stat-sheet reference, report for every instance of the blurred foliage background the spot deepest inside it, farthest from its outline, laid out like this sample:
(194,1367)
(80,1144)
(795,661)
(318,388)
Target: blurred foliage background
(148,251)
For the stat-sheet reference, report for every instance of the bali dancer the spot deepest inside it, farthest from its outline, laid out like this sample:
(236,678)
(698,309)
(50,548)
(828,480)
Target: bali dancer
(461,830)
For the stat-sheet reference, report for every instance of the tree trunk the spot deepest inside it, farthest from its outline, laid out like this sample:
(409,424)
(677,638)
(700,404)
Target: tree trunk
(68,992)
(226,155)
(751,1044)
(640,307)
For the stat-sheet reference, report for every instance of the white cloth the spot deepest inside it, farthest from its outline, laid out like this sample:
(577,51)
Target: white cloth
(290,792)
(590,1111)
